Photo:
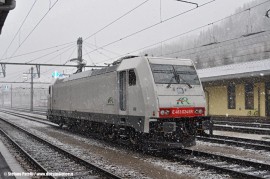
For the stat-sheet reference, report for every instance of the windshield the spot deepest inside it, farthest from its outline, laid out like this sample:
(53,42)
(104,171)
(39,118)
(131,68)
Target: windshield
(167,74)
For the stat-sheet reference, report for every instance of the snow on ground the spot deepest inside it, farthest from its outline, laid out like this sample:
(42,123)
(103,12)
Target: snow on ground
(185,169)
(126,163)
(242,135)
(234,151)
(66,141)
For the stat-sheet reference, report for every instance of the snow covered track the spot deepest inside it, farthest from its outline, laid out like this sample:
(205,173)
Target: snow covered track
(247,125)
(40,111)
(221,164)
(240,142)
(48,158)
(244,129)
(28,117)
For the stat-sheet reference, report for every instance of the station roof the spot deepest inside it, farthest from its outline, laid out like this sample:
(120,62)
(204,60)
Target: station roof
(259,68)
(5,7)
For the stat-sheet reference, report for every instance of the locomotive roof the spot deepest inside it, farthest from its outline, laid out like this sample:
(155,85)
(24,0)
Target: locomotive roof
(117,63)
(88,73)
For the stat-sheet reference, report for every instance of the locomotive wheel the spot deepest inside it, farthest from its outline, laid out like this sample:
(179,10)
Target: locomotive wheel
(111,136)
(133,137)
(61,125)
(112,133)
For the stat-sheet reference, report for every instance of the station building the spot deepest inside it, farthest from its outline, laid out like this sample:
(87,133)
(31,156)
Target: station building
(238,90)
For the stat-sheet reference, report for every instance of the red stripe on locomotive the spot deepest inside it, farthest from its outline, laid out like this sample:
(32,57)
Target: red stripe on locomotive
(181,112)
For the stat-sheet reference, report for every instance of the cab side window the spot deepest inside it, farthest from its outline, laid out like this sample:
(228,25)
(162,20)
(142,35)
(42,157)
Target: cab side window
(131,78)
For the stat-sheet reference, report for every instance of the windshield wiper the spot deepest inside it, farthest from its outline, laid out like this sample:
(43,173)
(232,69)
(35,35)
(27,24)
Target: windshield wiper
(185,82)
(171,80)
(177,78)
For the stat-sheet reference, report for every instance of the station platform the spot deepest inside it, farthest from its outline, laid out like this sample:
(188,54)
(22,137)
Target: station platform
(9,164)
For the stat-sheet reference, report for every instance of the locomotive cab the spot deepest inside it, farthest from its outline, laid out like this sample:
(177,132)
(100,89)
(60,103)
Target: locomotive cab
(163,98)
(180,100)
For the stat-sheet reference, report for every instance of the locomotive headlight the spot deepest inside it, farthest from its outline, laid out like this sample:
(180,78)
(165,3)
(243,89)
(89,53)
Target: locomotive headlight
(198,111)
(162,112)
(167,112)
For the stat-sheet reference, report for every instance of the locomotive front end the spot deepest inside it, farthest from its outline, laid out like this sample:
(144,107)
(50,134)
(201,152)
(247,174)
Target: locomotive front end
(181,103)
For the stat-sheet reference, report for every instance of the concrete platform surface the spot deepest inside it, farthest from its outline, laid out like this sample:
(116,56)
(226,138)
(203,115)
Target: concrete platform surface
(9,164)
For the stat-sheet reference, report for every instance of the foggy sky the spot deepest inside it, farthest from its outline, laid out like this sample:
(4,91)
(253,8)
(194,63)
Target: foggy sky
(70,19)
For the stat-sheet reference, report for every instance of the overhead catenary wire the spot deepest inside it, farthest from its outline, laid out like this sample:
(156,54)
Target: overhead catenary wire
(89,56)
(151,26)
(237,56)
(99,52)
(36,51)
(34,28)
(69,47)
(117,19)
(18,29)
(217,45)
(18,74)
(188,49)
(51,6)
(104,49)
(187,32)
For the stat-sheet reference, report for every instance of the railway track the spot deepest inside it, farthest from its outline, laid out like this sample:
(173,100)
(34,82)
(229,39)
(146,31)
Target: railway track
(247,125)
(222,164)
(241,142)
(243,129)
(36,111)
(235,141)
(28,117)
(48,158)
(244,124)
(219,163)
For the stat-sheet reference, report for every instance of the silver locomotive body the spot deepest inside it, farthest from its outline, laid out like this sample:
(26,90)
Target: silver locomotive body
(157,102)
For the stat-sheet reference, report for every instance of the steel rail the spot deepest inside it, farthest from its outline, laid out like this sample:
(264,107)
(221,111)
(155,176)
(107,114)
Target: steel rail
(193,157)
(242,129)
(249,143)
(244,124)
(28,117)
(39,112)
(90,166)
(25,111)
(241,142)
(30,159)
(220,163)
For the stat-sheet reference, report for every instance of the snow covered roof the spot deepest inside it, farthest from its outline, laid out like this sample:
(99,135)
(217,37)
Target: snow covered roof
(88,73)
(240,70)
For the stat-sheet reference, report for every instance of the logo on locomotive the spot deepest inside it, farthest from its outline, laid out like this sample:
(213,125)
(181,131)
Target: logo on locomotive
(110,101)
(183,101)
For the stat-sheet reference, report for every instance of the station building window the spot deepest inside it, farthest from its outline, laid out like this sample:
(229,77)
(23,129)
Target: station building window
(131,78)
(249,96)
(231,96)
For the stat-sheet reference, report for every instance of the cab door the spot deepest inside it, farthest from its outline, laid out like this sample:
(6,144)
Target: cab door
(50,98)
(122,76)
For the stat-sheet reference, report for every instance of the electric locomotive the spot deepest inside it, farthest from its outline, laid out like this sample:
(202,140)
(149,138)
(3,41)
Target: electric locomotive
(152,102)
